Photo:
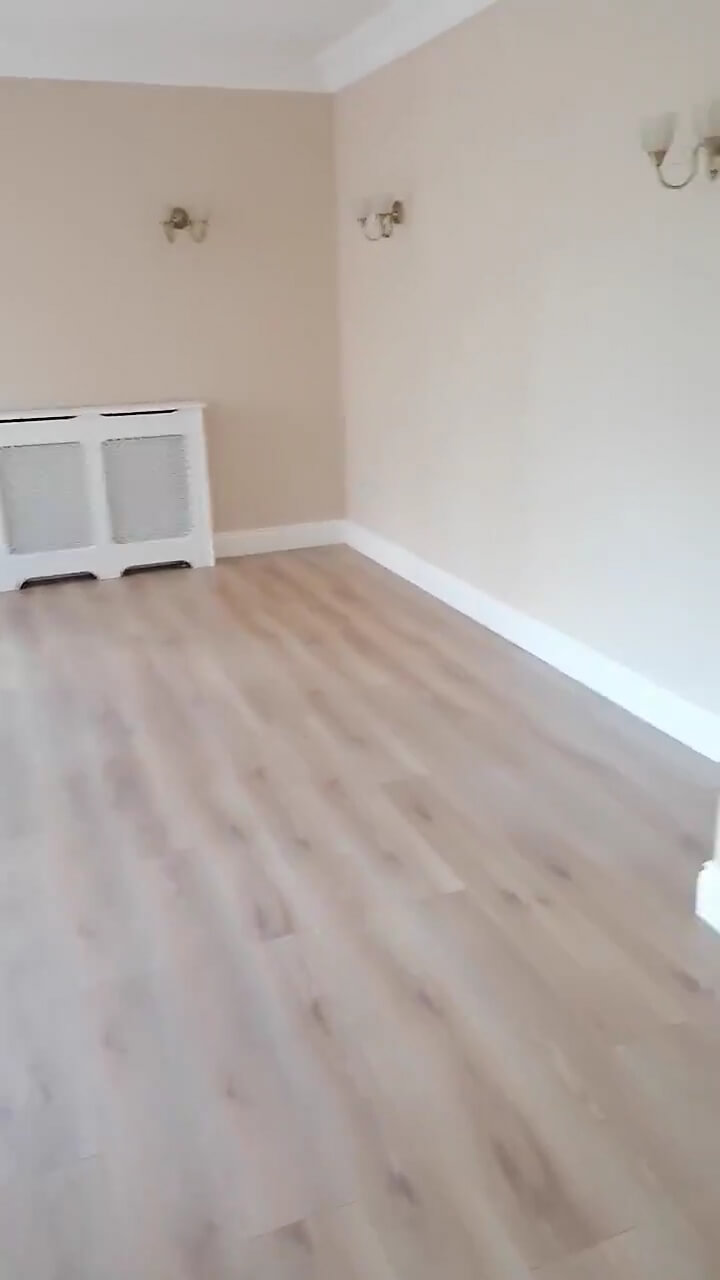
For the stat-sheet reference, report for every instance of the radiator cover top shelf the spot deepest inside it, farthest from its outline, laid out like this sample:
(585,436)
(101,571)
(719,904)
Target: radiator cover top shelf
(102,490)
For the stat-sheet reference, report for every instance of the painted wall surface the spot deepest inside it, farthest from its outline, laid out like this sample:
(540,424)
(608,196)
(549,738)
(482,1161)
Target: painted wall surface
(530,367)
(98,308)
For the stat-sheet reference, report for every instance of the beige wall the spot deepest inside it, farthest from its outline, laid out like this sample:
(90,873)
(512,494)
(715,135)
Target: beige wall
(531,367)
(97,307)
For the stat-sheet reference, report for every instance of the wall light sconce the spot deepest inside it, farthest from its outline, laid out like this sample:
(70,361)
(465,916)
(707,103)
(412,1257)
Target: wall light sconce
(381,225)
(179,220)
(659,140)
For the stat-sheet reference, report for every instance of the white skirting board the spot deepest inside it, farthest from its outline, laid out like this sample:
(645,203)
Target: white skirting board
(682,720)
(286,537)
(689,724)
(708,895)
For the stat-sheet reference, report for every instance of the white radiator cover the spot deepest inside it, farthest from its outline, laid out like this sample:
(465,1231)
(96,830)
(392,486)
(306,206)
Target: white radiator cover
(102,490)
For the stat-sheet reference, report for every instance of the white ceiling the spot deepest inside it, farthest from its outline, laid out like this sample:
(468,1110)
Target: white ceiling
(265,44)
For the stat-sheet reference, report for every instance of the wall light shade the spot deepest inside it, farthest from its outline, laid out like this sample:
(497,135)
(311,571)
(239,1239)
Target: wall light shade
(179,220)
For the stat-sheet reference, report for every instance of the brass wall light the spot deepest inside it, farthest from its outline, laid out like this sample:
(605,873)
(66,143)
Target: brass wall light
(381,225)
(179,220)
(660,138)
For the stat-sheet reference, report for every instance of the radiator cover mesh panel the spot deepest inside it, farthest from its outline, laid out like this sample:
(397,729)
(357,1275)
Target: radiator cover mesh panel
(44,495)
(148,488)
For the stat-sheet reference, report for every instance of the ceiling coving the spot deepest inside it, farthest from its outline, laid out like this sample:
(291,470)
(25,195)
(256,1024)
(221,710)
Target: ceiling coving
(314,45)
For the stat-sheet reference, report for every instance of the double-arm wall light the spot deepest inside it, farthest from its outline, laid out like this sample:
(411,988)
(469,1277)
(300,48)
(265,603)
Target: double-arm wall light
(659,141)
(179,220)
(381,225)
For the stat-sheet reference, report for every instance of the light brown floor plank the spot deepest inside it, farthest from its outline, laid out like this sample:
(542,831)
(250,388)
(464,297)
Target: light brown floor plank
(340,938)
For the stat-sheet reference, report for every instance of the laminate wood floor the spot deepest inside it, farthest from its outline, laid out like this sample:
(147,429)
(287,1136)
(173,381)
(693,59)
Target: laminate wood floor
(340,940)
